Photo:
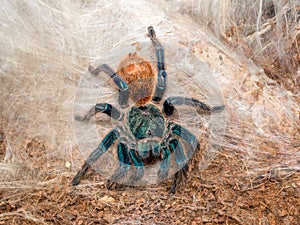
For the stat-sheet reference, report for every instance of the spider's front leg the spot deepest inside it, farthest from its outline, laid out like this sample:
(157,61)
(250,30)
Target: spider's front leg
(187,136)
(120,83)
(172,144)
(124,160)
(182,163)
(180,176)
(139,166)
(175,146)
(162,74)
(102,148)
(125,156)
(165,163)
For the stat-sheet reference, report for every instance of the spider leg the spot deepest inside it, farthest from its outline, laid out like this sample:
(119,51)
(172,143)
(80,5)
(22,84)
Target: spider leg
(105,108)
(200,106)
(139,165)
(124,159)
(179,178)
(186,135)
(118,80)
(162,74)
(181,161)
(102,148)
(165,163)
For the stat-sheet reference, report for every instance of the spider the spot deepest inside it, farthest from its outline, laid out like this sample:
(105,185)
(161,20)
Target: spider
(144,135)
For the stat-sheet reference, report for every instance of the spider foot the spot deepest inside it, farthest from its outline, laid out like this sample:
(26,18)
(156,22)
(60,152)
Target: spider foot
(180,178)
(76,180)
(87,116)
(112,185)
(217,109)
(163,174)
(136,176)
(151,33)
(193,150)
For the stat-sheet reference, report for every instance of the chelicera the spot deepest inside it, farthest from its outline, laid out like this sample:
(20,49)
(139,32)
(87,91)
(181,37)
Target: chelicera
(144,134)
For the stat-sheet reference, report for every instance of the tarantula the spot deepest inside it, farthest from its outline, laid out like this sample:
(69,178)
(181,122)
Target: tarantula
(145,136)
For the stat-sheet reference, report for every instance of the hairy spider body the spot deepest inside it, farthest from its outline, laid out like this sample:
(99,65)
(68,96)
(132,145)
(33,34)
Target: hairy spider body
(139,74)
(145,121)
(143,135)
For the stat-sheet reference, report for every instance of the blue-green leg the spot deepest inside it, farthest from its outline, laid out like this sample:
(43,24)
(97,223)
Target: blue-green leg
(176,147)
(120,83)
(165,163)
(139,165)
(162,74)
(182,163)
(102,148)
(105,108)
(201,107)
(124,160)
(187,136)
(180,177)
(109,110)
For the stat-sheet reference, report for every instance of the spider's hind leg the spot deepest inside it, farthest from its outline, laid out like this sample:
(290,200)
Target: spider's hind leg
(162,74)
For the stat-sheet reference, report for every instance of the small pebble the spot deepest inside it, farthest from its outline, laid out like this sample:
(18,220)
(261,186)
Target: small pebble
(68,164)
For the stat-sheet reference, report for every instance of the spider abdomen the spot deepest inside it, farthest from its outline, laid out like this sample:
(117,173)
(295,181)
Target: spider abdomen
(140,77)
(146,121)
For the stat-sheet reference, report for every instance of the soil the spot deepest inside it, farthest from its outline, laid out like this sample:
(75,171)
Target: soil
(221,194)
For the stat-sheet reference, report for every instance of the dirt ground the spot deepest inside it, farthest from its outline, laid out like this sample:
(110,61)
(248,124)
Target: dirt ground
(221,194)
